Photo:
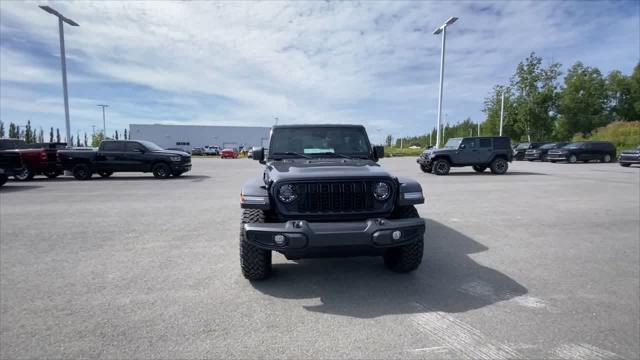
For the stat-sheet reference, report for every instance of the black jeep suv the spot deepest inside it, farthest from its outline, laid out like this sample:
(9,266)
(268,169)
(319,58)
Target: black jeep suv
(540,153)
(584,151)
(479,152)
(322,193)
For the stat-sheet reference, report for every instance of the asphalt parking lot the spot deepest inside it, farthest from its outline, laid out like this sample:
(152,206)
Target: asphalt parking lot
(543,262)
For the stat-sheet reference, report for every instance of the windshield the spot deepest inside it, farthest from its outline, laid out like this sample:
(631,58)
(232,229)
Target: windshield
(548,146)
(574,145)
(319,141)
(523,146)
(453,143)
(150,146)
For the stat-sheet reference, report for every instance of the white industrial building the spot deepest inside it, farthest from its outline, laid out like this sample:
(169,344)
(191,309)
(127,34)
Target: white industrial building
(190,136)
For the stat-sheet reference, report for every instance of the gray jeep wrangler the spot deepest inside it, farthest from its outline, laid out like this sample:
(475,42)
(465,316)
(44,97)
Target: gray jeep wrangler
(322,193)
(493,152)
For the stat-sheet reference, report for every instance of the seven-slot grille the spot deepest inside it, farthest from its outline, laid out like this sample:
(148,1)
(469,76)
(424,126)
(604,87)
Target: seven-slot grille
(336,197)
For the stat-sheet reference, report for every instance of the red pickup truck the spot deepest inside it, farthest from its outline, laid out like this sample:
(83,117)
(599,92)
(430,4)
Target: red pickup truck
(37,159)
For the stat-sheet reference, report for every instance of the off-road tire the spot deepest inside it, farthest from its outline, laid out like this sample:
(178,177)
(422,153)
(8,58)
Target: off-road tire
(254,261)
(426,168)
(625,164)
(161,171)
(499,166)
(408,257)
(572,159)
(105,174)
(25,175)
(82,172)
(441,167)
(478,168)
(606,158)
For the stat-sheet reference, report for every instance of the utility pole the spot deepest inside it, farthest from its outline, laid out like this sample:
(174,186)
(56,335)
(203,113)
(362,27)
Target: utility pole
(442,29)
(501,112)
(94,129)
(276,118)
(478,129)
(63,65)
(104,122)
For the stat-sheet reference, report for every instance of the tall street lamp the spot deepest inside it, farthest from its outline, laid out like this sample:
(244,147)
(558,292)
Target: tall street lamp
(104,122)
(63,62)
(442,29)
(501,112)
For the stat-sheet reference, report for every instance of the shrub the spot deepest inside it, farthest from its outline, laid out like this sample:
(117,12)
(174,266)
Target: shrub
(623,134)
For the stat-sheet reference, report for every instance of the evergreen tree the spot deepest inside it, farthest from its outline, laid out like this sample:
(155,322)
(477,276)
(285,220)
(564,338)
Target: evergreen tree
(57,135)
(19,133)
(51,135)
(116,135)
(125,134)
(41,135)
(28,134)
(97,138)
(2,129)
(85,139)
(78,139)
(12,131)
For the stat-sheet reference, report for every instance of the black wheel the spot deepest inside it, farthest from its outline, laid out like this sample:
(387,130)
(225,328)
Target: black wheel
(552,161)
(441,167)
(177,173)
(161,171)
(529,159)
(408,257)
(105,174)
(606,158)
(51,174)
(625,164)
(572,159)
(3,179)
(82,172)
(24,175)
(426,168)
(479,168)
(254,261)
(499,166)
(544,159)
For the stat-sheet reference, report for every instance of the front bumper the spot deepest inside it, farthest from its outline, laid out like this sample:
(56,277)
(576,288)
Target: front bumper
(184,167)
(533,156)
(626,159)
(558,157)
(423,161)
(302,236)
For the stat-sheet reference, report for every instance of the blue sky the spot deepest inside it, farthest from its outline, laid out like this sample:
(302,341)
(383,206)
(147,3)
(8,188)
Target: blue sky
(244,63)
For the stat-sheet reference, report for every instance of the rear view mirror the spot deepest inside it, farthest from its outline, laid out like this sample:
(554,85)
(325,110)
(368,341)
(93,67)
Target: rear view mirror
(258,154)
(378,152)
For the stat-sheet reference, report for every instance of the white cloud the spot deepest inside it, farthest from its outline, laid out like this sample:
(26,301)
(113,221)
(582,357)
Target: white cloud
(314,61)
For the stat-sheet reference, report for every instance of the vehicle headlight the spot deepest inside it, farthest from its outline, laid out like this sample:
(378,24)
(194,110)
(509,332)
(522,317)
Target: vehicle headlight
(175,158)
(287,193)
(381,191)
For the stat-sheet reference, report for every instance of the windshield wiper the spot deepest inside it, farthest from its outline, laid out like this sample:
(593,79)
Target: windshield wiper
(291,153)
(333,153)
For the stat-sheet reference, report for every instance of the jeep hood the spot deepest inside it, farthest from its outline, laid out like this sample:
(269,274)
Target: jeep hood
(323,169)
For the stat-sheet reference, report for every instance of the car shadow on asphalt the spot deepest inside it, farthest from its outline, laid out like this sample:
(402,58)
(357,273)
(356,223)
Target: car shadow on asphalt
(117,177)
(488,173)
(15,188)
(447,281)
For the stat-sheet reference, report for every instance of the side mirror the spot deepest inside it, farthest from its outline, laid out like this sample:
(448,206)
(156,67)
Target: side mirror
(378,152)
(258,154)
(462,146)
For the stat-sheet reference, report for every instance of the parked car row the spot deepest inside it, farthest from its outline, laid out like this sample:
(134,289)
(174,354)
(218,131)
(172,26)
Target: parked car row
(24,161)
(495,153)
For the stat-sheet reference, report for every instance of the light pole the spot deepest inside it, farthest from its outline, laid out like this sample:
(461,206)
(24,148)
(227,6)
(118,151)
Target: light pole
(276,120)
(442,29)
(478,129)
(501,111)
(63,64)
(104,122)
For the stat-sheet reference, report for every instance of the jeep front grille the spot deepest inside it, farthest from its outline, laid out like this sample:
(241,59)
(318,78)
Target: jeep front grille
(337,197)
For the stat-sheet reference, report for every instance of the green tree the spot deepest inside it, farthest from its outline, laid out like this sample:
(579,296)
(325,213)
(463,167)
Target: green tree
(78,139)
(492,104)
(19,133)
(51,135)
(28,133)
(1,129)
(12,131)
(97,138)
(582,102)
(624,94)
(116,135)
(57,135)
(535,88)
(41,135)
(388,140)
(85,140)
(125,134)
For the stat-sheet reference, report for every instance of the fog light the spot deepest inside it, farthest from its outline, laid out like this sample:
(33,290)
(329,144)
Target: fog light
(396,235)
(279,239)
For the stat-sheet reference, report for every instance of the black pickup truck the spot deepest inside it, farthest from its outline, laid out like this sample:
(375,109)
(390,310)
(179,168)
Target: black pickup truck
(125,156)
(10,165)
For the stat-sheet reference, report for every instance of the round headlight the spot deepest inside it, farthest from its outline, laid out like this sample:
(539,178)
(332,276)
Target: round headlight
(381,191)
(287,193)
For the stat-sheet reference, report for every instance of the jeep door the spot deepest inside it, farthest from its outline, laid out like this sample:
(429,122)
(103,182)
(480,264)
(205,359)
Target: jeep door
(485,150)
(467,152)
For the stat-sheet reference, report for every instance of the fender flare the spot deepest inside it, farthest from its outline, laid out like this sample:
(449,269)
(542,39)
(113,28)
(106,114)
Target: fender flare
(254,195)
